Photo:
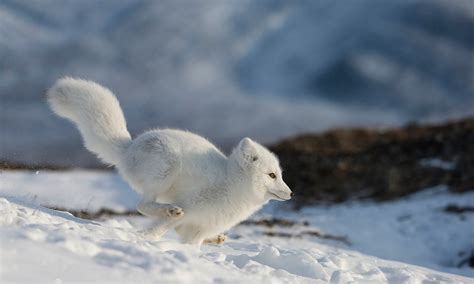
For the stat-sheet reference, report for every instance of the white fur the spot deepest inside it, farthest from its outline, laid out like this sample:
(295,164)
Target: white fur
(97,114)
(185,181)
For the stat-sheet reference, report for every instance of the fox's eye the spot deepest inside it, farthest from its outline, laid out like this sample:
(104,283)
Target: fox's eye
(272,175)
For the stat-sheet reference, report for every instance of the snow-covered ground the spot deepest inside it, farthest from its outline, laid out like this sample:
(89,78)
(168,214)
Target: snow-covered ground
(407,241)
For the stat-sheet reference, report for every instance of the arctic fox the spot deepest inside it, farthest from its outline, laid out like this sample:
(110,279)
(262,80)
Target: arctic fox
(186,183)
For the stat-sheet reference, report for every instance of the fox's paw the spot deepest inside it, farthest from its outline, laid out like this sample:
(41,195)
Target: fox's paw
(174,212)
(219,240)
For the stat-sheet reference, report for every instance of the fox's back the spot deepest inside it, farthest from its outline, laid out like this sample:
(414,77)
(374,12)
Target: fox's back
(185,141)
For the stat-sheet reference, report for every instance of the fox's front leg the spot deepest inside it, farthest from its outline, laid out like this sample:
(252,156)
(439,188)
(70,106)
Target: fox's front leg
(219,240)
(162,211)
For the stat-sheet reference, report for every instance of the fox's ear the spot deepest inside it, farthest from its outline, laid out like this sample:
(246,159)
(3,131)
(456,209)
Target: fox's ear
(247,151)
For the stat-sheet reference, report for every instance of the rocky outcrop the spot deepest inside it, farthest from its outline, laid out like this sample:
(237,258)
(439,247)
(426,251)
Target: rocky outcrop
(359,163)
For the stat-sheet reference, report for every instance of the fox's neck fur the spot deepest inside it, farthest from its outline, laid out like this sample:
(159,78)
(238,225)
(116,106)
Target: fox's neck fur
(241,199)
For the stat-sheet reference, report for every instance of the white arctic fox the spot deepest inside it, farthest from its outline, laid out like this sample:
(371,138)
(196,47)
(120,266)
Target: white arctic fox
(186,183)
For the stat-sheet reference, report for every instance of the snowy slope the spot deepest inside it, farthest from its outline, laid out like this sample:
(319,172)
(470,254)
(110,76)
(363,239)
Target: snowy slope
(230,69)
(92,190)
(385,242)
(54,245)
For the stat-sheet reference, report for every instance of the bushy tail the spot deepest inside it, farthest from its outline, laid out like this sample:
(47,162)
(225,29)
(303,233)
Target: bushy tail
(97,114)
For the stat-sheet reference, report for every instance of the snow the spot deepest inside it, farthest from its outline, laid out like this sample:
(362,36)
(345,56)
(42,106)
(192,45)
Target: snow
(438,163)
(92,190)
(411,240)
(413,230)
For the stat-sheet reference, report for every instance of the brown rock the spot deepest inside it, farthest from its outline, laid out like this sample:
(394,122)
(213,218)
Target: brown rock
(383,164)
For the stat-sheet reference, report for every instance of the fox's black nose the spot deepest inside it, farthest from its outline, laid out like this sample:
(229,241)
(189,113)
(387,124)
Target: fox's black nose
(292,194)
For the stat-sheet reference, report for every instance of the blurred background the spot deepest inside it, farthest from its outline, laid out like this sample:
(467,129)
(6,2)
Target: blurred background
(229,69)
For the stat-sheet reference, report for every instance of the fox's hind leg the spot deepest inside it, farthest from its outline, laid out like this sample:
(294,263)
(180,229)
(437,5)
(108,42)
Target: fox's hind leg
(168,217)
(151,167)
(161,211)
(219,240)
(159,229)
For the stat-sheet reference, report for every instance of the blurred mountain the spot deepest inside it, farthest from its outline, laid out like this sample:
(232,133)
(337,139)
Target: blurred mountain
(228,69)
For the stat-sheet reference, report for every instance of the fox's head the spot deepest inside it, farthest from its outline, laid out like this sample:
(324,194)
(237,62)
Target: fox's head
(263,169)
